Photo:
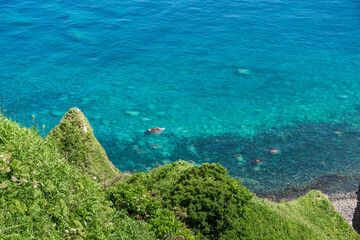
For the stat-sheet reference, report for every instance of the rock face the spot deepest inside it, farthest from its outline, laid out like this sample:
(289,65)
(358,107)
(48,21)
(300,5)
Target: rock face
(356,219)
(75,140)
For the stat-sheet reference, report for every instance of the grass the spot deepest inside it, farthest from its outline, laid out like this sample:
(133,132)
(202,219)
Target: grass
(75,140)
(48,191)
(42,196)
(309,217)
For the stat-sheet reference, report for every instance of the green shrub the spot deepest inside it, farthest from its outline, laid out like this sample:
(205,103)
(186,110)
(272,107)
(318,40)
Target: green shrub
(137,202)
(160,179)
(204,196)
(213,201)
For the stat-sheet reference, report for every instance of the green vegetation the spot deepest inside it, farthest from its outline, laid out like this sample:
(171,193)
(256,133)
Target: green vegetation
(44,197)
(50,189)
(220,208)
(138,204)
(205,197)
(75,140)
(309,217)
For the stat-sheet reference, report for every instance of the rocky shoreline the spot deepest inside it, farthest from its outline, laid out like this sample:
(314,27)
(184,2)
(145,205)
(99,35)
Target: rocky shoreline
(345,204)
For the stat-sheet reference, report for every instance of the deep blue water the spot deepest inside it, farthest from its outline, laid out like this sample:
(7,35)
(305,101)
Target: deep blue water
(134,65)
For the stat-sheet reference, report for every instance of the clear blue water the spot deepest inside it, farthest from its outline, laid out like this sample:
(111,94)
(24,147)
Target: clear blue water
(174,64)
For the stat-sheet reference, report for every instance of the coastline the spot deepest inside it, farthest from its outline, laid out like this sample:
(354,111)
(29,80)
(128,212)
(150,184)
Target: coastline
(345,204)
(311,217)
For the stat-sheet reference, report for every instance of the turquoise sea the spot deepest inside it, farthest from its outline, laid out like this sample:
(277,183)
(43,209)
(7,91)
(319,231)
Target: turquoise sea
(134,65)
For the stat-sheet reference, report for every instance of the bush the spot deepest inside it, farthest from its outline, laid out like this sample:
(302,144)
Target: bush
(213,201)
(203,196)
(137,202)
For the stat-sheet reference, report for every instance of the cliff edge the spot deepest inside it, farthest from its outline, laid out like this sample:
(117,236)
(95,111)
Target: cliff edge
(77,143)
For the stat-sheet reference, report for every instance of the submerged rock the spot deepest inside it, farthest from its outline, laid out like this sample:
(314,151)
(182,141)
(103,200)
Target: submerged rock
(257,161)
(244,71)
(256,169)
(155,130)
(139,151)
(56,113)
(192,148)
(343,97)
(145,119)
(275,151)
(240,159)
(155,146)
(132,113)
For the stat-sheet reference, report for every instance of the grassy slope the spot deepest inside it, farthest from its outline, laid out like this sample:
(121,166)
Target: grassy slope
(65,198)
(310,217)
(75,139)
(44,197)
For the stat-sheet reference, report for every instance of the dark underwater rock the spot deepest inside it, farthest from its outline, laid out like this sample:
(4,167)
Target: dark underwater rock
(155,130)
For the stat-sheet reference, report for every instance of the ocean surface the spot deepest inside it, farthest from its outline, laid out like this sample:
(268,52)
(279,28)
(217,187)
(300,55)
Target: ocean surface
(229,80)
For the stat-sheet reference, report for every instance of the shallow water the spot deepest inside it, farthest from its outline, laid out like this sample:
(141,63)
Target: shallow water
(134,65)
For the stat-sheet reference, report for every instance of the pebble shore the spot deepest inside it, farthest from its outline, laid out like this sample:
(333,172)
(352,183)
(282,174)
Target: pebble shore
(345,204)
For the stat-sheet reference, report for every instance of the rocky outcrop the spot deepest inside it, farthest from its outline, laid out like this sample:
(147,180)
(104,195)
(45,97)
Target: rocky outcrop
(75,140)
(356,218)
